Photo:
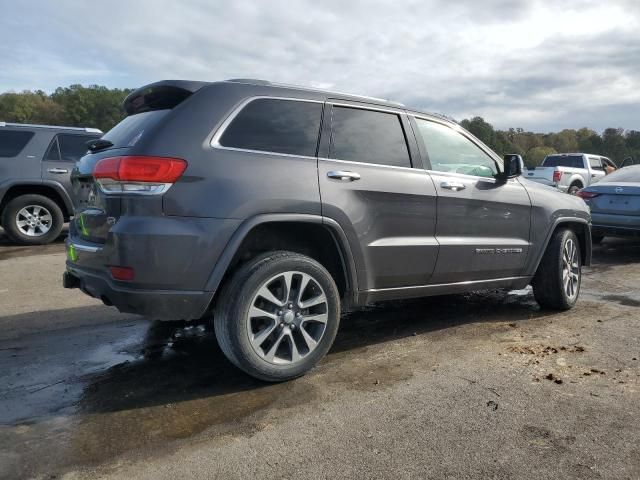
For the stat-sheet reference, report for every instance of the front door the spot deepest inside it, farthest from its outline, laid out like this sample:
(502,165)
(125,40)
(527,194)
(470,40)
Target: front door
(483,223)
(369,186)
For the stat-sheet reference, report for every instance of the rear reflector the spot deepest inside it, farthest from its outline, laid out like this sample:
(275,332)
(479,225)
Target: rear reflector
(583,194)
(122,273)
(138,174)
(557,175)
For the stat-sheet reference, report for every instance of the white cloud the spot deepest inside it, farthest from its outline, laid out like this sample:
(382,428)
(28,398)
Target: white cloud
(536,64)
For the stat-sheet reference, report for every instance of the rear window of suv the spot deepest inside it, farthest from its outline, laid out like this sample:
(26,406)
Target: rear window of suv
(68,148)
(573,161)
(276,126)
(129,131)
(13,141)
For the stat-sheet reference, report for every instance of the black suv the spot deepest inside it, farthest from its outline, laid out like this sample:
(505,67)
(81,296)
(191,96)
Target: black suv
(35,169)
(274,207)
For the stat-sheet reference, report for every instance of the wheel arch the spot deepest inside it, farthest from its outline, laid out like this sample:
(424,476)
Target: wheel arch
(312,235)
(50,189)
(581,227)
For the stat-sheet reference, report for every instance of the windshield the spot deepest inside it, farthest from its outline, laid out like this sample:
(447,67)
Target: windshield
(574,161)
(132,128)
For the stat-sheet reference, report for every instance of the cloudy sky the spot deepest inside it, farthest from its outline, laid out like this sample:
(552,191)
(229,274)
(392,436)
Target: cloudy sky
(540,65)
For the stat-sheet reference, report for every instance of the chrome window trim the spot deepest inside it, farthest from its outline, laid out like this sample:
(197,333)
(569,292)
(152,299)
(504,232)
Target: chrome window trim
(372,108)
(215,140)
(354,162)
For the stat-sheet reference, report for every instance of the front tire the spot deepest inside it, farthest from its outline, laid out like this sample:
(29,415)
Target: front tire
(278,315)
(32,219)
(556,284)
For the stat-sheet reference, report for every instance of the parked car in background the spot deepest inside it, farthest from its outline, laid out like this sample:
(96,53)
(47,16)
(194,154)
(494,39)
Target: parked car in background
(273,206)
(615,204)
(35,168)
(570,172)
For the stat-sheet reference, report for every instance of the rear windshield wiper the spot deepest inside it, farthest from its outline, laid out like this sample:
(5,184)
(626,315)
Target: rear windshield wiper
(98,144)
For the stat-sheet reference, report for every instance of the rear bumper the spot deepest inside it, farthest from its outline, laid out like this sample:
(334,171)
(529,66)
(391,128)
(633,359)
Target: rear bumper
(608,224)
(153,304)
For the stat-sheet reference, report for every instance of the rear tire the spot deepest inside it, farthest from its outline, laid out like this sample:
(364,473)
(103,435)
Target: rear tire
(574,188)
(278,315)
(32,219)
(556,284)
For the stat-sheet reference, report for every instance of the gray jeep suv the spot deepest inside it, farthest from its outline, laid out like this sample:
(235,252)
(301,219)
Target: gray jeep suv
(273,207)
(35,169)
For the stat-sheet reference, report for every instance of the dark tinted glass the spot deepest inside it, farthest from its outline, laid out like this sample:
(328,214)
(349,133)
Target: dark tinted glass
(271,125)
(573,161)
(366,136)
(13,141)
(72,147)
(53,153)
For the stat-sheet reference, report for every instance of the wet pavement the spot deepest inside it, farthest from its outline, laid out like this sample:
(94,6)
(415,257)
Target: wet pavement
(465,386)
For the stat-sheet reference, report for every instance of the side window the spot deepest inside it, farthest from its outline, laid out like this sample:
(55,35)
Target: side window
(13,141)
(53,153)
(274,125)
(450,151)
(72,147)
(595,163)
(368,136)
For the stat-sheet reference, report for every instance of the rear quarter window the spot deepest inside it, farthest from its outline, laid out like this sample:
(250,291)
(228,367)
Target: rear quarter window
(13,141)
(274,125)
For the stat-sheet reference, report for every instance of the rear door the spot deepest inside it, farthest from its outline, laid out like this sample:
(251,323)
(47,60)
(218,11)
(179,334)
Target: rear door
(369,185)
(64,151)
(483,223)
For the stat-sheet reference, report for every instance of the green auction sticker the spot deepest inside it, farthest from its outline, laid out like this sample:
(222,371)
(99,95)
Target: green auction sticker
(71,253)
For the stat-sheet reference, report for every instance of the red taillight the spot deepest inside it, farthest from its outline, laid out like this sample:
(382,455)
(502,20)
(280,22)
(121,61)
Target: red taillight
(557,175)
(122,273)
(138,174)
(140,169)
(583,194)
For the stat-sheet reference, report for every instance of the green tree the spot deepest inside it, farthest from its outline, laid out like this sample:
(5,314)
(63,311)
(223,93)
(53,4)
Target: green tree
(534,157)
(613,143)
(30,107)
(92,106)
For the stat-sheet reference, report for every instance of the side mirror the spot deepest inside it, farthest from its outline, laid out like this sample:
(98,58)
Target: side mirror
(513,165)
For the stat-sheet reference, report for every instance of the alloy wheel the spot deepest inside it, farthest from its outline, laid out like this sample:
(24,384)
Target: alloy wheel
(287,318)
(34,220)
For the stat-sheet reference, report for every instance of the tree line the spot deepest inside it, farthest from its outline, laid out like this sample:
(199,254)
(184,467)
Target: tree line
(101,107)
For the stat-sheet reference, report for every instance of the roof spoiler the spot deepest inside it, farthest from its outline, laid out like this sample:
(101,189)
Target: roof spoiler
(161,95)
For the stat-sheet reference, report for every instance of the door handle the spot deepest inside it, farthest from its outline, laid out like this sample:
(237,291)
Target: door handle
(343,175)
(58,170)
(455,186)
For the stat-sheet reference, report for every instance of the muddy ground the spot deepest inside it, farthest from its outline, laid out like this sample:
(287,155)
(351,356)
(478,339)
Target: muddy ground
(483,385)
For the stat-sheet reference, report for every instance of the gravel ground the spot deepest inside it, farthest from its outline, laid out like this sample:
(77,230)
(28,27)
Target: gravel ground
(465,386)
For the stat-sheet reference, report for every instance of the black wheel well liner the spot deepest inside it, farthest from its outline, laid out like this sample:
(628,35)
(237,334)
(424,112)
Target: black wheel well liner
(317,237)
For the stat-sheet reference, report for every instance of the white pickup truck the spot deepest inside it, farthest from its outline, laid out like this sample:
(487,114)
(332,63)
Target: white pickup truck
(570,172)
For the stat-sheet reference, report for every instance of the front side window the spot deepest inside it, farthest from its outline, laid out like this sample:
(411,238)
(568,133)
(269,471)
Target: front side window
(368,136)
(595,163)
(72,147)
(13,141)
(276,126)
(450,151)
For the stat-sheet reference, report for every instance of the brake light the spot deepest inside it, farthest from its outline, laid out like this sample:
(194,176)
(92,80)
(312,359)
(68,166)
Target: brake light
(138,174)
(587,195)
(557,175)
